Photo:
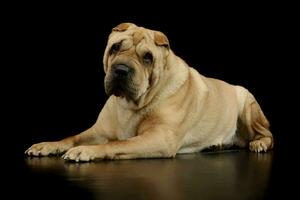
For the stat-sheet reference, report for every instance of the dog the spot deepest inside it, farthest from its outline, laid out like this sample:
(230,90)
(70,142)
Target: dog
(158,107)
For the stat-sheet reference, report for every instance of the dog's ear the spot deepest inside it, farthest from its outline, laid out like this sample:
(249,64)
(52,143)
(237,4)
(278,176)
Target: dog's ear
(123,27)
(161,39)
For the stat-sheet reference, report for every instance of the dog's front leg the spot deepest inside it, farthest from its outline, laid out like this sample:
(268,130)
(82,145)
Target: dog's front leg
(89,137)
(155,143)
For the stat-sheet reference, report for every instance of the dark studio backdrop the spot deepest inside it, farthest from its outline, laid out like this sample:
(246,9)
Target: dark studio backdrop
(57,62)
(57,87)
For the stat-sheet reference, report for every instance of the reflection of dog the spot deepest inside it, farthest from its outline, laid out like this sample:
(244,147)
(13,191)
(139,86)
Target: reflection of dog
(159,106)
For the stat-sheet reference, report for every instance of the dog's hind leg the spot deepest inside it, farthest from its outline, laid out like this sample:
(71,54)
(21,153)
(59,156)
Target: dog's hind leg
(254,123)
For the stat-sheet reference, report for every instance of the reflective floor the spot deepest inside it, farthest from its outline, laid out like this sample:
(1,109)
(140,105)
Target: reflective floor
(211,175)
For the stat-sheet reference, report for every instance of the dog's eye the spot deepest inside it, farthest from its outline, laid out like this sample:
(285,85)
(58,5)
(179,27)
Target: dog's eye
(148,58)
(115,48)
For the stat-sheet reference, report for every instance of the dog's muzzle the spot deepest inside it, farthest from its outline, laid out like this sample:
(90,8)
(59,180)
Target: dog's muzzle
(119,81)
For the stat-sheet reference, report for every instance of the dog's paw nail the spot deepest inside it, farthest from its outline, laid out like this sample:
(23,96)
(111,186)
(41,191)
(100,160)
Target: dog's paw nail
(66,157)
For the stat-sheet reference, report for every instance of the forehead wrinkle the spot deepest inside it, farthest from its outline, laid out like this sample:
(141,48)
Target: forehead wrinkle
(145,42)
(137,36)
(117,38)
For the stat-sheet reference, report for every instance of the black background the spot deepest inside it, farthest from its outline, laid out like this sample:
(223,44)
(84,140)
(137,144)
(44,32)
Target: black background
(55,76)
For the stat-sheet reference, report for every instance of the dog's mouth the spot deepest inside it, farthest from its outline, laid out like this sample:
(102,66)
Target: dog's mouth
(120,88)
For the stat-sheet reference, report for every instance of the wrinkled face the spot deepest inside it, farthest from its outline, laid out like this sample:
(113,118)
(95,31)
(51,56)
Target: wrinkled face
(133,60)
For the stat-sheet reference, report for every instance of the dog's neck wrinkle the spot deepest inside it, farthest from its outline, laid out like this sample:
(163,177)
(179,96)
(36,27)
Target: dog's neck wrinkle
(166,86)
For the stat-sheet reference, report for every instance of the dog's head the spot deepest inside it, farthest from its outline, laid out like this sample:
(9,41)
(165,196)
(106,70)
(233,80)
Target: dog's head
(133,60)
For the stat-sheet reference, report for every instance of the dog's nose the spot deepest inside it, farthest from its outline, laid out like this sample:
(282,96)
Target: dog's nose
(121,70)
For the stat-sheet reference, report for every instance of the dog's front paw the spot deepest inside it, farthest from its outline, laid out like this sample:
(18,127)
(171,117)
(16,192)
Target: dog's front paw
(46,148)
(83,154)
